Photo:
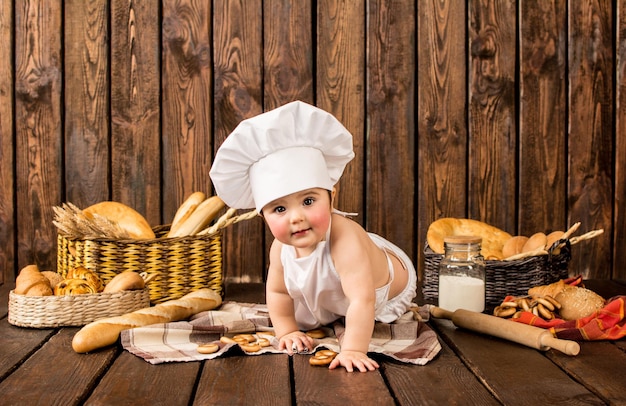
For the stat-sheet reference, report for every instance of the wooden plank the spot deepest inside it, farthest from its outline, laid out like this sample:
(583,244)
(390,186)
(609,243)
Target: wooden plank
(86,95)
(590,146)
(513,373)
(597,367)
(391,121)
(492,131)
(426,385)
(48,378)
(135,140)
(245,379)
(619,220)
(38,147)
(340,88)
(441,174)
(187,101)
(7,142)
(17,344)
(238,58)
(542,151)
(131,380)
(322,386)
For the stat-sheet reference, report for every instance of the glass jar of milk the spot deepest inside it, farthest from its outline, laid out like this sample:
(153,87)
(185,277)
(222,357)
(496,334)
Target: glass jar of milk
(462,274)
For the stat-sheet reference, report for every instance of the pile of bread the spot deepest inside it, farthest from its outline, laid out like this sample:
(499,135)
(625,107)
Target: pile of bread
(33,282)
(498,244)
(116,220)
(556,300)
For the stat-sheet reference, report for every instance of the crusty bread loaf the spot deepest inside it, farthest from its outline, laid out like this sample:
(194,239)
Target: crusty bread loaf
(200,218)
(184,211)
(577,303)
(104,332)
(493,238)
(124,216)
(127,280)
(31,282)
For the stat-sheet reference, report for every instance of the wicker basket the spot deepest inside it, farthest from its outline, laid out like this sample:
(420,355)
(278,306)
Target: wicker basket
(504,278)
(177,265)
(73,310)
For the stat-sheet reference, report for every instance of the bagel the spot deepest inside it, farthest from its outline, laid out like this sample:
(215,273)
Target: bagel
(493,238)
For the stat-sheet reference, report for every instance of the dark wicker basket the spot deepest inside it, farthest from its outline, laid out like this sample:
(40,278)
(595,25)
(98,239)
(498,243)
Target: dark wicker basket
(503,278)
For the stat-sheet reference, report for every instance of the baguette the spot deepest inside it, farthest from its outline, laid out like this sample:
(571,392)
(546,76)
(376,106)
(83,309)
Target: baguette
(104,332)
(200,218)
(185,210)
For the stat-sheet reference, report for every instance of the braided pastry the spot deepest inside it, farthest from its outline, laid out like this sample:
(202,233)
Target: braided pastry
(74,286)
(88,276)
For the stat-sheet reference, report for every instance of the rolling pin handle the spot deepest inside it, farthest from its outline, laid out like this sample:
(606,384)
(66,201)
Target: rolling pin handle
(567,347)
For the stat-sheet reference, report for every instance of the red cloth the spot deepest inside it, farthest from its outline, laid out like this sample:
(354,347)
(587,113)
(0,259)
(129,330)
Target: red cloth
(607,323)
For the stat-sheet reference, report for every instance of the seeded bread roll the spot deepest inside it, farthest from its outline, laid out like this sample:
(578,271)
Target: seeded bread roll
(577,303)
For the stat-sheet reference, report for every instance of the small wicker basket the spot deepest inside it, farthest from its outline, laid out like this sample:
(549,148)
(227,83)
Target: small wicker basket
(502,278)
(72,310)
(176,266)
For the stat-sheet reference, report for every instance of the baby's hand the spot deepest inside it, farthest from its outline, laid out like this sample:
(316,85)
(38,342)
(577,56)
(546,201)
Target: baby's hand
(351,359)
(295,341)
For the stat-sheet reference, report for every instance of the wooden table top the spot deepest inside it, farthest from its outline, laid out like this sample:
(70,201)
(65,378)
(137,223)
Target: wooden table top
(38,366)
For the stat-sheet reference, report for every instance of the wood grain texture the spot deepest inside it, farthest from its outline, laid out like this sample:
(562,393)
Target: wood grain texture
(590,140)
(543,142)
(442,144)
(135,82)
(390,179)
(38,147)
(187,103)
(7,158)
(492,131)
(238,56)
(86,96)
(619,221)
(340,88)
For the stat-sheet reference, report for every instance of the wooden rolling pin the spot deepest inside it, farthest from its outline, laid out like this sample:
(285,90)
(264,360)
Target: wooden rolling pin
(520,333)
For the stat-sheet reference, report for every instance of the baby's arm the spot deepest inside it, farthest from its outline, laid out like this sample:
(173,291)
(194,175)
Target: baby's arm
(358,286)
(280,307)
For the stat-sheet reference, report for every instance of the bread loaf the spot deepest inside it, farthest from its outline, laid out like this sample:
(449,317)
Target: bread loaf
(31,282)
(124,216)
(185,210)
(200,218)
(127,280)
(104,332)
(493,238)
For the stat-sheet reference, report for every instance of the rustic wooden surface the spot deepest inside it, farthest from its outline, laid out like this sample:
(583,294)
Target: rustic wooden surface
(504,111)
(38,366)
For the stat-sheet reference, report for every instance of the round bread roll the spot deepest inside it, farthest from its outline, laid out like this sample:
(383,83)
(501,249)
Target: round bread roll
(31,282)
(493,238)
(53,277)
(535,242)
(127,280)
(578,302)
(552,238)
(514,245)
(127,218)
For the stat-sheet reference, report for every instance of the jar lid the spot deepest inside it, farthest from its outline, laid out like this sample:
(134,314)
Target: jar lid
(462,239)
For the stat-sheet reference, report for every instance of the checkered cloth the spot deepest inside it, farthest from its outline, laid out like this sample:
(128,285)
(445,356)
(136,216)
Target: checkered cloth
(406,340)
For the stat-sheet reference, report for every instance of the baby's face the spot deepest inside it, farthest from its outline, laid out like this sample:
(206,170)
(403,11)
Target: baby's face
(300,219)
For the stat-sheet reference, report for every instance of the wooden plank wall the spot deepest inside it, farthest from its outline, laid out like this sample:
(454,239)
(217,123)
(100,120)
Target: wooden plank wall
(510,112)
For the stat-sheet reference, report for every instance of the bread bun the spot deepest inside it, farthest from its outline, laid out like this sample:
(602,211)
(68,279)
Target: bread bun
(577,303)
(53,277)
(127,280)
(514,245)
(125,217)
(80,272)
(74,287)
(31,282)
(535,242)
(493,238)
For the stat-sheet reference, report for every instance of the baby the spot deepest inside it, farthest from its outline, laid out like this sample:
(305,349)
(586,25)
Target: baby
(323,266)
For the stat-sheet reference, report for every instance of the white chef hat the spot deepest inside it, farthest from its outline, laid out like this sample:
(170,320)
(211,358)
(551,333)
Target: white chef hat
(283,151)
